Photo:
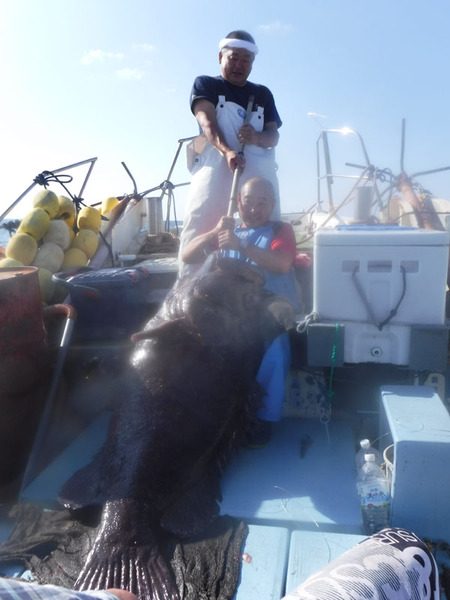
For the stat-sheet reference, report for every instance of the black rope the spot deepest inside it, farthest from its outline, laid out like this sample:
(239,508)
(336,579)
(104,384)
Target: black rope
(384,175)
(47,177)
(392,312)
(400,300)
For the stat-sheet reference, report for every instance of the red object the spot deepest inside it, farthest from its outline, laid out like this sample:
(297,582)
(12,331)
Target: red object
(24,366)
(23,338)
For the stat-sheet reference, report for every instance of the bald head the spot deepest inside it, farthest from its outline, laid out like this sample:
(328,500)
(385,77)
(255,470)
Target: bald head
(258,185)
(256,201)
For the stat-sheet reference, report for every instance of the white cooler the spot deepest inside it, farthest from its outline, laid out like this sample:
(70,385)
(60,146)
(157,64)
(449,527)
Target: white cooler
(379,282)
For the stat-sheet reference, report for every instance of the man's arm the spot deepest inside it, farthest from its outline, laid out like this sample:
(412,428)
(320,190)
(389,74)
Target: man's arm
(267,138)
(279,258)
(198,248)
(277,261)
(205,113)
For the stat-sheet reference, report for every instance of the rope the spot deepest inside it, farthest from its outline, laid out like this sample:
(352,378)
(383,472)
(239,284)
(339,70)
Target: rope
(47,177)
(392,312)
(325,417)
(303,324)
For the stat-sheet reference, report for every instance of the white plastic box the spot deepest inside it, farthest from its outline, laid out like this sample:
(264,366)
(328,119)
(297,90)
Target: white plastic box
(418,424)
(378,282)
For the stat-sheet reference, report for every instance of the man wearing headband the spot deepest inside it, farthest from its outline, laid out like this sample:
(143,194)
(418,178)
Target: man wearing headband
(220,105)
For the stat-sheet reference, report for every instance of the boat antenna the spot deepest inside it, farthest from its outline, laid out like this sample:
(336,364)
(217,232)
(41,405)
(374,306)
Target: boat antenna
(402,150)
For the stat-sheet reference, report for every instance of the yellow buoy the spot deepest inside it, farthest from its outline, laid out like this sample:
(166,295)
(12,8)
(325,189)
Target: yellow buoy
(74,257)
(46,284)
(35,223)
(47,200)
(5,263)
(22,247)
(66,211)
(86,240)
(50,256)
(89,218)
(106,209)
(71,235)
(108,204)
(58,233)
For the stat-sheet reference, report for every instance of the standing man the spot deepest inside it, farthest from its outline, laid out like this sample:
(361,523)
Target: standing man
(268,246)
(219,105)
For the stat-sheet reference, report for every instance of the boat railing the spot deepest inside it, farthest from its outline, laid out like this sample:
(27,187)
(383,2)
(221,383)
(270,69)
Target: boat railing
(60,176)
(374,190)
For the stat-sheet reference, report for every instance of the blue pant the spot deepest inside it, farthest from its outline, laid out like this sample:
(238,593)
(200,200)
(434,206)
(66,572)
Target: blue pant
(272,375)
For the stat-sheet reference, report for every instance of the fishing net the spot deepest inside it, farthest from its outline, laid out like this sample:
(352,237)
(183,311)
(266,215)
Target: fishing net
(53,546)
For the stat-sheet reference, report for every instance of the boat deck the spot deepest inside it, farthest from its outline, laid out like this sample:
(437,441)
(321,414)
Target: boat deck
(297,494)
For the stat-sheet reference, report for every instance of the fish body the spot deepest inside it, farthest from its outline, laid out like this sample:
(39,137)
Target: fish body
(188,392)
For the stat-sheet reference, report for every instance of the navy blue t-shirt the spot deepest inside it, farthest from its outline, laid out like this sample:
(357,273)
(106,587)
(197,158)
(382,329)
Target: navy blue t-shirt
(210,88)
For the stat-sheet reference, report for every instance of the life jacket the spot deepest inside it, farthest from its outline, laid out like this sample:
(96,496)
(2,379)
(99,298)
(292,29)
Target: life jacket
(282,284)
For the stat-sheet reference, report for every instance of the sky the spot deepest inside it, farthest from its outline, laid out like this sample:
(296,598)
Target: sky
(111,79)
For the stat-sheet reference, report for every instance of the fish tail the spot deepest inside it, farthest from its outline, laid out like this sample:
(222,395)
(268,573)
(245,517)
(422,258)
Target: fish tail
(149,577)
(126,555)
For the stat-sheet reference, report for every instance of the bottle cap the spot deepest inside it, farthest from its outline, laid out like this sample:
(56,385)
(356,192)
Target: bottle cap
(365,443)
(369,457)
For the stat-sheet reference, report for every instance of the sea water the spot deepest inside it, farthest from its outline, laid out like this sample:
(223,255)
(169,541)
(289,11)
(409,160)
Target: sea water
(4,237)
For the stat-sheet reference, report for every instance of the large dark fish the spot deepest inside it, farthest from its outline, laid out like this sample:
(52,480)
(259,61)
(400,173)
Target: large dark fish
(190,377)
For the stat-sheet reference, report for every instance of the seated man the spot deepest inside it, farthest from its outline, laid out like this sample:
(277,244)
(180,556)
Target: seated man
(268,246)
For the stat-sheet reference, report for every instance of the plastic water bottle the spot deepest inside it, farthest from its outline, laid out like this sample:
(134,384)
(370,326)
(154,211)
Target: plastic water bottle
(374,495)
(366,448)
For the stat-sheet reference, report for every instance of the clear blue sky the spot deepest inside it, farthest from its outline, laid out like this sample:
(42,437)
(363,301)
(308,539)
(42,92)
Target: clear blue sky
(110,78)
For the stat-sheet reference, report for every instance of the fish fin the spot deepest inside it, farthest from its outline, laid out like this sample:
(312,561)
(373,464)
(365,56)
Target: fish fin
(194,509)
(141,570)
(126,555)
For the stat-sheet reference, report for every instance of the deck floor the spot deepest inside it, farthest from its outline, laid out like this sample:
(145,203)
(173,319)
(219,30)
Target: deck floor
(297,495)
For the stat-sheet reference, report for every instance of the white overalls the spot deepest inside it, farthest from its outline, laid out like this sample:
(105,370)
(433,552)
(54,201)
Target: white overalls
(210,188)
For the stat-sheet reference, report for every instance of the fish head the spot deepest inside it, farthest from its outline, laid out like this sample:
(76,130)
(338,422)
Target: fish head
(231,300)
(225,305)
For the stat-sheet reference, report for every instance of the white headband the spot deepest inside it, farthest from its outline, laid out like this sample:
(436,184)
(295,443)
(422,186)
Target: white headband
(234,43)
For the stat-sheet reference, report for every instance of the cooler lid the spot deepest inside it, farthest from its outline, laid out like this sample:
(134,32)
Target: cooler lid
(122,276)
(380,235)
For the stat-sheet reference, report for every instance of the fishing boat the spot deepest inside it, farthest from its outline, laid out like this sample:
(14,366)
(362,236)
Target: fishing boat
(370,360)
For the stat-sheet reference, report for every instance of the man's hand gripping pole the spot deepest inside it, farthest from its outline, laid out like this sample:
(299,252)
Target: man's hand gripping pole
(232,204)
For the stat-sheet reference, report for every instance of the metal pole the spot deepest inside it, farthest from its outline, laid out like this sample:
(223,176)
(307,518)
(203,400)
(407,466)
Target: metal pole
(237,171)
(402,150)
(319,199)
(326,150)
